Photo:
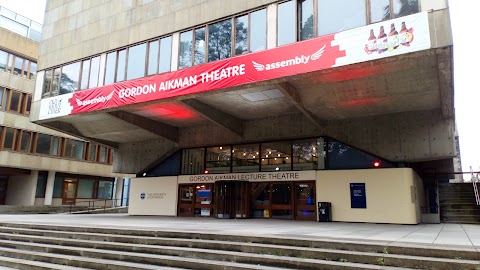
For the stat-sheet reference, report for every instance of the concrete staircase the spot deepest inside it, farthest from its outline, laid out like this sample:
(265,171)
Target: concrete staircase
(31,246)
(457,203)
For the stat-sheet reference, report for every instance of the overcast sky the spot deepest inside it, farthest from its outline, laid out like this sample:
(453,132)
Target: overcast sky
(466,67)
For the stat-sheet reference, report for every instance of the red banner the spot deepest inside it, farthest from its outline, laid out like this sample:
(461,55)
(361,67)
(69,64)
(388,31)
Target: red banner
(300,57)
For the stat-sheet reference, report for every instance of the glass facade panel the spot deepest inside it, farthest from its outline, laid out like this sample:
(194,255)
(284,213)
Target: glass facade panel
(70,78)
(26,67)
(218,159)
(241,35)
(85,189)
(340,15)
(261,200)
(9,142)
(165,54)
(136,61)
(342,156)
(405,7)
(105,190)
(193,161)
(185,53)
(54,149)
(308,154)
(43,144)
(121,62)
(103,154)
(15,101)
(2,97)
(25,143)
(18,66)
(110,68)
(258,33)
(41,186)
(199,57)
(85,74)
(153,48)
(276,156)
(33,70)
(286,25)
(220,40)
(57,187)
(47,82)
(68,148)
(282,193)
(94,72)
(56,82)
(305,19)
(29,104)
(246,158)
(379,10)
(3,60)
(78,149)
(91,155)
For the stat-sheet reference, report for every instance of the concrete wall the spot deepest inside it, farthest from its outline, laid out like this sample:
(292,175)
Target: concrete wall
(18,44)
(160,196)
(16,82)
(390,194)
(21,189)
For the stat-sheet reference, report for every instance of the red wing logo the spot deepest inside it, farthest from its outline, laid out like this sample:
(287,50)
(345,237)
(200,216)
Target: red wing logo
(318,53)
(258,67)
(79,102)
(297,60)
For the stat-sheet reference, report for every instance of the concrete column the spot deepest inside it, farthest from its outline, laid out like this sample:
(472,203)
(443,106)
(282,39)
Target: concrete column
(272,26)
(49,189)
(37,95)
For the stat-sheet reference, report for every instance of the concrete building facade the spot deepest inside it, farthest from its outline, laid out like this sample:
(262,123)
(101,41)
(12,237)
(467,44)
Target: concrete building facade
(38,165)
(207,98)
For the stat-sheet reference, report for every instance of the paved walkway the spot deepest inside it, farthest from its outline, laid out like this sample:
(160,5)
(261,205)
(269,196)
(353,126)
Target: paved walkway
(458,235)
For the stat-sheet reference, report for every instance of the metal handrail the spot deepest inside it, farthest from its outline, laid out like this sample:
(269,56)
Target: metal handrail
(101,204)
(475,187)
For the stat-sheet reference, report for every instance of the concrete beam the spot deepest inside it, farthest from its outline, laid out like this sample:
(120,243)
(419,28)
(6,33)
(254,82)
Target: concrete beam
(215,115)
(166,131)
(445,81)
(292,94)
(72,130)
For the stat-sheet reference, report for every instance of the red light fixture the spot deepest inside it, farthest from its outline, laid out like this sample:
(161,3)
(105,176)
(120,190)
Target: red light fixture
(376,164)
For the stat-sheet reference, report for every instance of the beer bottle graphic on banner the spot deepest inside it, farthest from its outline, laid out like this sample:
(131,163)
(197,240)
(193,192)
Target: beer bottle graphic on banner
(403,36)
(382,40)
(393,38)
(372,42)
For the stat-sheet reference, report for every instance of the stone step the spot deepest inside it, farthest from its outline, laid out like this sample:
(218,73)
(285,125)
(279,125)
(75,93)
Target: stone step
(225,242)
(33,265)
(251,253)
(252,261)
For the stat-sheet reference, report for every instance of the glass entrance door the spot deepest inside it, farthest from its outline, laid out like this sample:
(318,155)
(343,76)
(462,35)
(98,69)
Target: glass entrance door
(185,201)
(231,199)
(3,189)
(305,201)
(69,195)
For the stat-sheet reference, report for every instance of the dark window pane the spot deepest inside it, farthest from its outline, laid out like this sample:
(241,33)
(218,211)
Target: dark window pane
(56,82)
(341,156)
(246,158)
(17,69)
(43,144)
(94,72)
(78,149)
(308,154)
(103,154)
(47,82)
(15,101)
(286,32)
(9,138)
(121,65)
(26,67)
(193,161)
(29,104)
(70,77)
(68,148)
(276,156)
(405,7)
(281,193)
(152,57)
(85,74)
(185,53)
(3,60)
(136,61)
(218,159)
(110,68)
(93,148)
(379,10)
(199,46)
(105,190)
(33,70)
(57,187)
(165,54)
(340,15)
(305,19)
(25,143)
(85,189)
(258,30)
(41,185)
(2,99)
(54,149)
(220,40)
(260,200)
(241,35)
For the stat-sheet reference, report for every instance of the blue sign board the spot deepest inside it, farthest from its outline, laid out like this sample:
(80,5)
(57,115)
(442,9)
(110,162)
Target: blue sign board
(358,197)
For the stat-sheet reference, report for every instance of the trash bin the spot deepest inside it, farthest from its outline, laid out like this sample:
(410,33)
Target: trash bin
(324,212)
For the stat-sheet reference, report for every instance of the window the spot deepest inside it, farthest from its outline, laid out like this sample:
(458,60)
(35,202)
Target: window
(193,161)
(56,82)
(105,190)
(85,189)
(340,15)
(41,186)
(3,97)
(276,156)
(122,55)
(286,25)
(308,154)
(85,74)
(136,61)
(258,30)
(25,141)
(18,66)
(92,151)
(9,138)
(68,151)
(246,158)
(26,68)
(78,149)
(57,187)
(404,8)
(54,149)
(3,60)
(43,144)
(218,159)
(153,50)
(14,101)
(305,19)
(185,53)
(70,78)
(94,72)
(220,40)
(199,54)
(33,70)
(241,35)
(110,68)
(165,54)
(103,154)
(342,156)
(47,83)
